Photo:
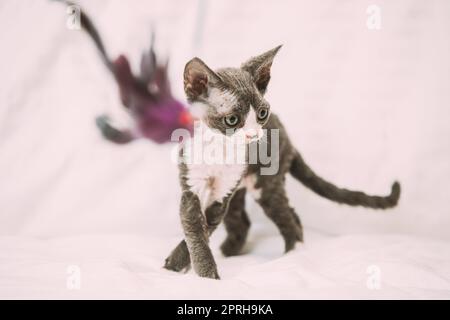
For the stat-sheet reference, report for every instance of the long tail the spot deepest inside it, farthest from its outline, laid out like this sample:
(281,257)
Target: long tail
(302,172)
(89,27)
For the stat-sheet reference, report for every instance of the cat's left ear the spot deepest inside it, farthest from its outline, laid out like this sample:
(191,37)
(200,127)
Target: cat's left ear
(259,68)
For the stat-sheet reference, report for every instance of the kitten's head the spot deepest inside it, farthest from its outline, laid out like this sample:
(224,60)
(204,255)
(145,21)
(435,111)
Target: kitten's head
(231,99)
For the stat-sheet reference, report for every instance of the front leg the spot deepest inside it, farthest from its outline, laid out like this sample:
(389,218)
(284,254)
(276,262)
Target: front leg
(237,225)
(196,235)
(179,258)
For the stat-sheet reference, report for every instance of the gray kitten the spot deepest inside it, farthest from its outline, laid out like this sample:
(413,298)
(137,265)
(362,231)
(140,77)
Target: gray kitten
(232,103)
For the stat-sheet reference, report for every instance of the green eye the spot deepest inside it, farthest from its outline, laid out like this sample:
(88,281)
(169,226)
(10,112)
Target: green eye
(231,120)
(263,113)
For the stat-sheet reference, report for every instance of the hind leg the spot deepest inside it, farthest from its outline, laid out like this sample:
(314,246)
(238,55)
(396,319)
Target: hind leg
(237,225)
(275,204)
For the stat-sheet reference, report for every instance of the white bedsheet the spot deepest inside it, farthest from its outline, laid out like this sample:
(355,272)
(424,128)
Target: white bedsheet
(364,108)
(130,267)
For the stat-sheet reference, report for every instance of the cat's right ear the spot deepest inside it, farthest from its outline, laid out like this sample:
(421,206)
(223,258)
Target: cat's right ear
(197,77)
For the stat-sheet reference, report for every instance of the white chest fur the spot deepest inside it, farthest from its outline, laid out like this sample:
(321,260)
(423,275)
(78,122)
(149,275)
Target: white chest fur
(212,180)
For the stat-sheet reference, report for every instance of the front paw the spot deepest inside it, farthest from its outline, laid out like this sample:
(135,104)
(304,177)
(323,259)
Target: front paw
(179,258)
(211,274)
(291,239)
(177,265)
(289,243)
(207,270)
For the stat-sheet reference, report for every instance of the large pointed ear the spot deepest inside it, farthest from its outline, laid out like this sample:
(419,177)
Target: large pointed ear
(197,77)
(259,68)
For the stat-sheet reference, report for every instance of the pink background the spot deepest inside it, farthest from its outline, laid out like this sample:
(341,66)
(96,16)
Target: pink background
(364,108)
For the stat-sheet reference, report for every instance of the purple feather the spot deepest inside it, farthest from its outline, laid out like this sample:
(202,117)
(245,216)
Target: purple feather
(147,97)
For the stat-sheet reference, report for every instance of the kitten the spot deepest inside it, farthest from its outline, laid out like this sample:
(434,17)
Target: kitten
(233,104)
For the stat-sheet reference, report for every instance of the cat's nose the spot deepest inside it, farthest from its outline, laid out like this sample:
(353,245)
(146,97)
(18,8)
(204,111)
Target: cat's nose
(251,134)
